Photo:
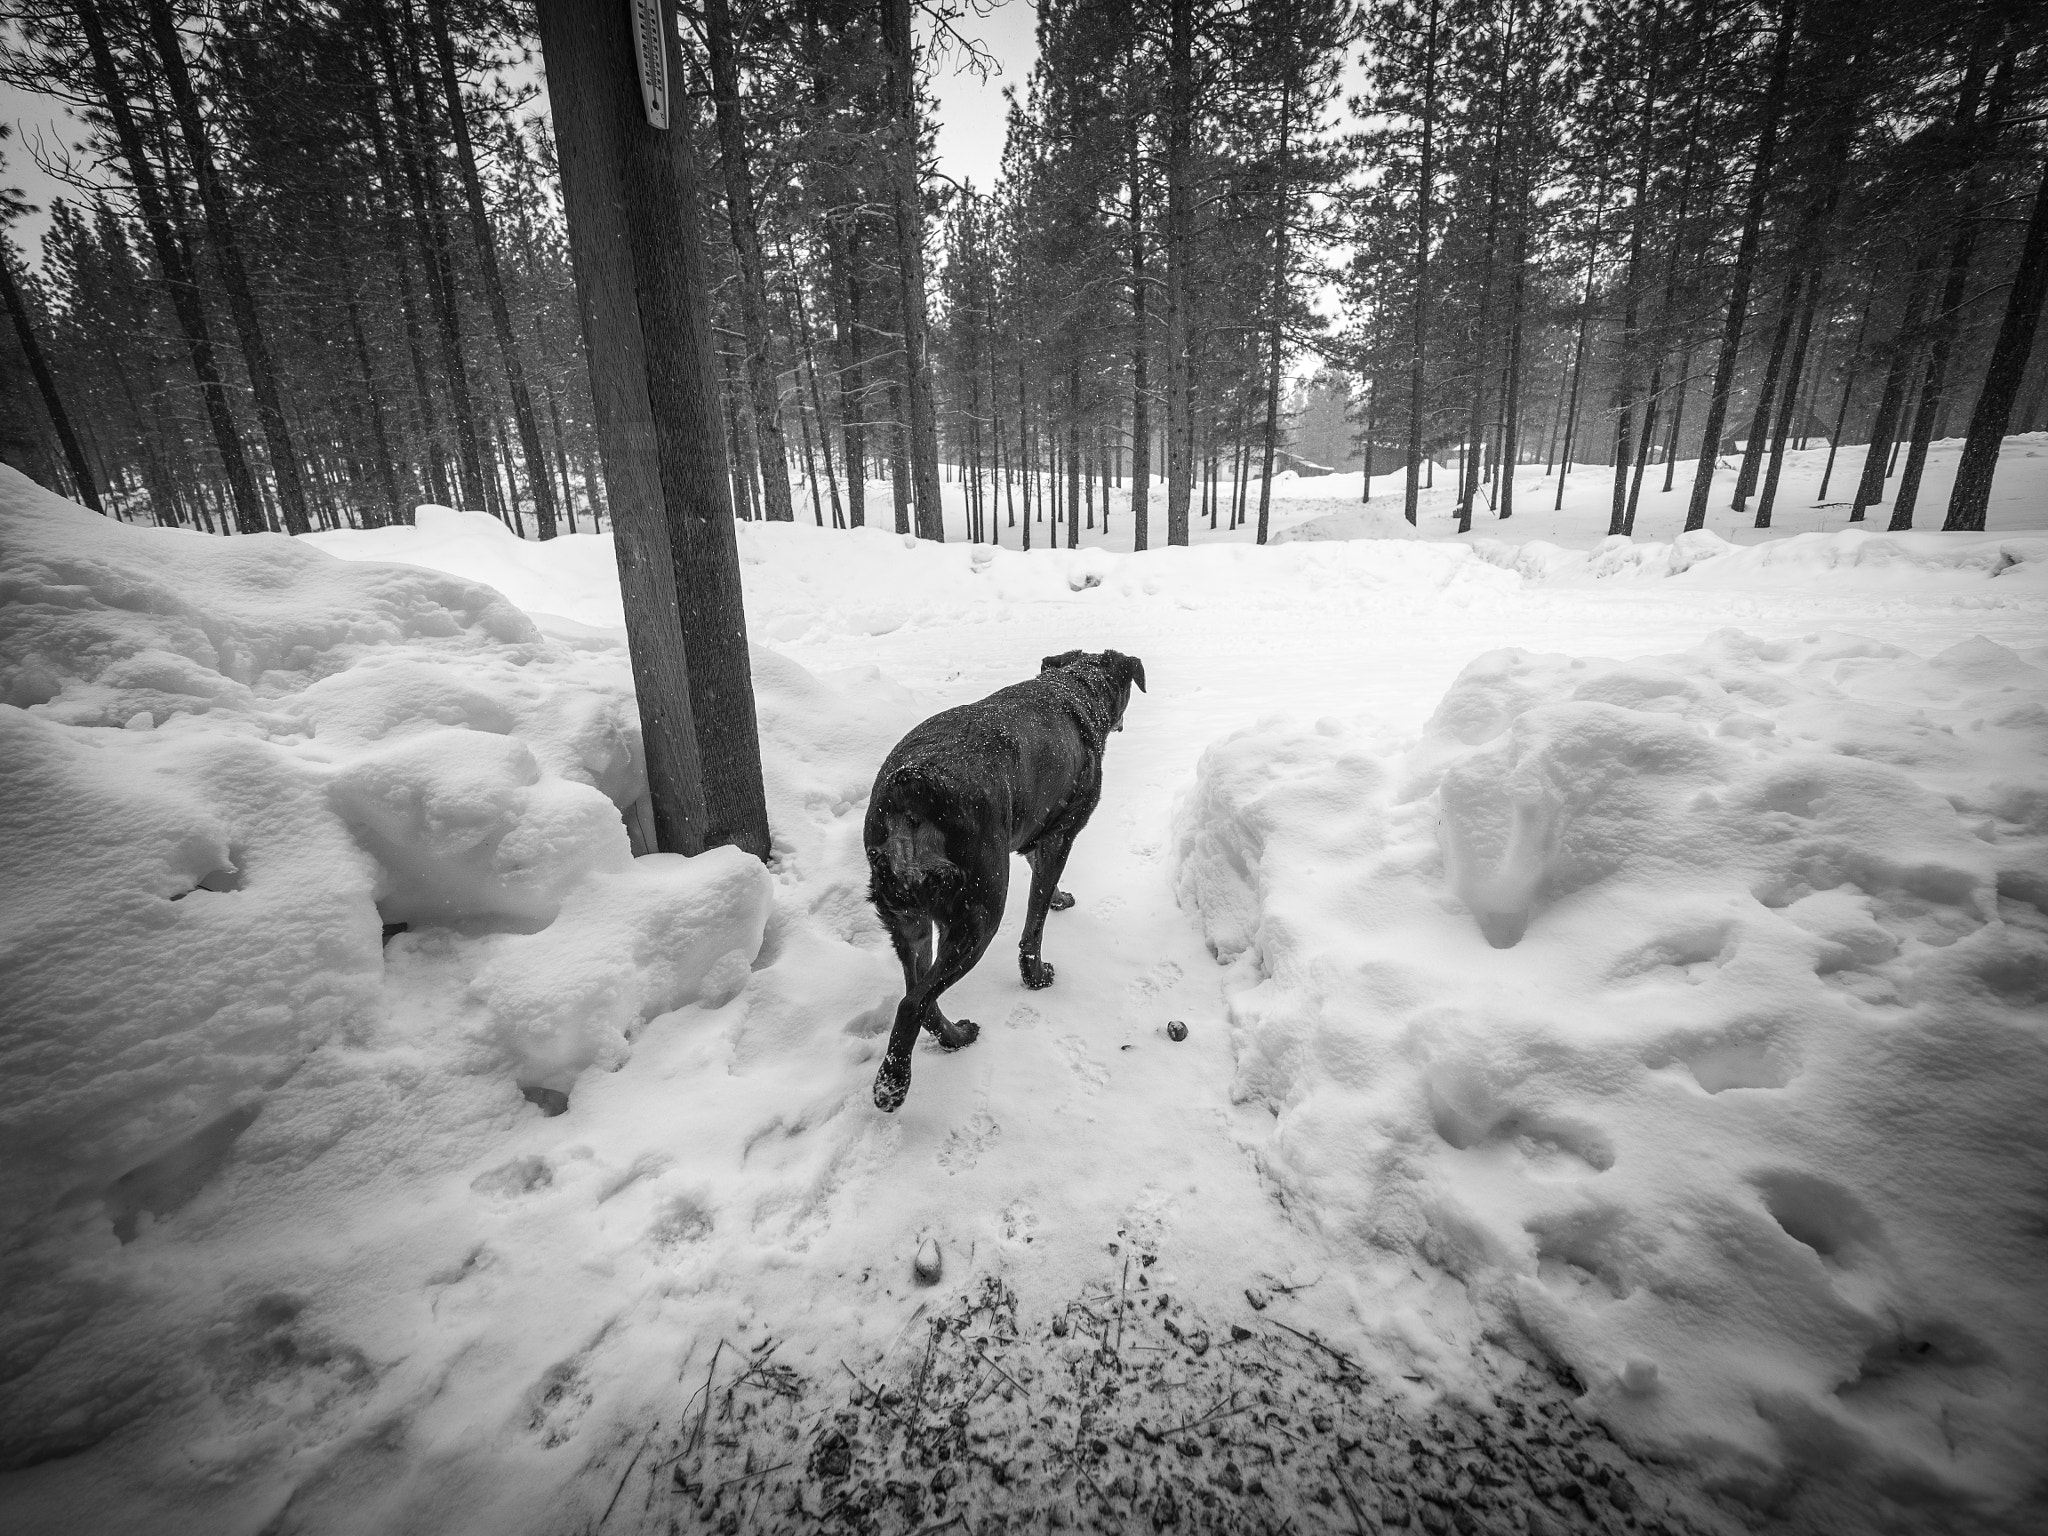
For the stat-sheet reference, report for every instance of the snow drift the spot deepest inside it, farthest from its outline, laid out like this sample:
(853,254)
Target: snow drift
(1691,1011)
(230,773)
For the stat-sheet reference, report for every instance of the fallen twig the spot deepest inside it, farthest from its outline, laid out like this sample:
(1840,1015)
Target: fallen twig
(743,1476)
(710,1374)
(1122,1305)
(1330,1349)
(1013,1381)
(1357,1514)
(630,1465)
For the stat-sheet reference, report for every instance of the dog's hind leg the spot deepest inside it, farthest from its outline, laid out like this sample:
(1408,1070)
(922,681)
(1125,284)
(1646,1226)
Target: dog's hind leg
(963,939)
(910,932)
(1048,859)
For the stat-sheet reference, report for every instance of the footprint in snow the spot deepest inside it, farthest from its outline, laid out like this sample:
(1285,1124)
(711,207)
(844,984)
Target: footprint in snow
(965,1143)
(1155,981)
(1080,1061)
(1020,1222)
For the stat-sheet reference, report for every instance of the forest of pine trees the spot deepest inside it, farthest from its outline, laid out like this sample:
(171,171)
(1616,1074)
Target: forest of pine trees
(315,272)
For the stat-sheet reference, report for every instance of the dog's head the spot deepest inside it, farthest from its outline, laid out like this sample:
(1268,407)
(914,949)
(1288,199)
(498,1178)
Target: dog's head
(1116,671)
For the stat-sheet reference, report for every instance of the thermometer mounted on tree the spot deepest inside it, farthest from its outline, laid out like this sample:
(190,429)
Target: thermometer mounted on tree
(650,53)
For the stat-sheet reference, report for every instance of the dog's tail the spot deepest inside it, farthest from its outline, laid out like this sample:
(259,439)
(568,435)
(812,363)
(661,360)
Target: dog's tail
(912,847)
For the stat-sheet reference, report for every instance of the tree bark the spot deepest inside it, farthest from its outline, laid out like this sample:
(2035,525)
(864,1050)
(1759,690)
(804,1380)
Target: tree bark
(641,278)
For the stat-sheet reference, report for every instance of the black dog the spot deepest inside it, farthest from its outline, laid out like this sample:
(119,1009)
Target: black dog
(1019,772)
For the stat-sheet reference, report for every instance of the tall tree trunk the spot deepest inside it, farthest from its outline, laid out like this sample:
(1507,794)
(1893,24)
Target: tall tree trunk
(179,278)
(743,219)
(899,457)
(1277,331)
(1141,403)
(387,479)
(1571,413)
(1767,387)
(46,385)
(494,283)
(1787,403)
(848,348)
(1842,411)
(227,256)
(739,440)
(1511,404)
(1074,455)
(1745,266)
(415,333)
(1418,369)
(899,46)
(1970,501)
(423,187)
(809,360)
(1180,219)
(1904,352)
(1372,405)
(1625,373)
(630,192)
(1947,317)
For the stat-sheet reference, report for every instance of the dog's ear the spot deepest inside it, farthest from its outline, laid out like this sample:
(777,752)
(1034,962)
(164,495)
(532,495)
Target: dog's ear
(1064,659)
(1137,670)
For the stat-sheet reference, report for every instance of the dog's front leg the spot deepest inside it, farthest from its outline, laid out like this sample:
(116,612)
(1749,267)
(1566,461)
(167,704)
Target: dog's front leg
(1048,859)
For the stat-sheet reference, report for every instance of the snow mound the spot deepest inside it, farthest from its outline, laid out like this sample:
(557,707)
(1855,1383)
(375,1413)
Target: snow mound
(230,773)
(1706,555)
(1691,1010)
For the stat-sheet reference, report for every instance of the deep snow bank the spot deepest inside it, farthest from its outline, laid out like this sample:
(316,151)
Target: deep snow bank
(1705,555)
(1691,1010)
(228,771)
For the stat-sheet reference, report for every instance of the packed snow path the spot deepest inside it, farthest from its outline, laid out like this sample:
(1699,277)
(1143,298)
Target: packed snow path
(401,1297)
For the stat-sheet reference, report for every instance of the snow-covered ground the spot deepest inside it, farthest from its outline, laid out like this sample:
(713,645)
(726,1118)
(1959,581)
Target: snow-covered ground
(1630,965)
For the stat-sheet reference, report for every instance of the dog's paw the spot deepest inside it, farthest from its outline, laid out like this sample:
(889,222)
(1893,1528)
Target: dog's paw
(1036,973)
(891,1089)
(955,1034)
(1061,900)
